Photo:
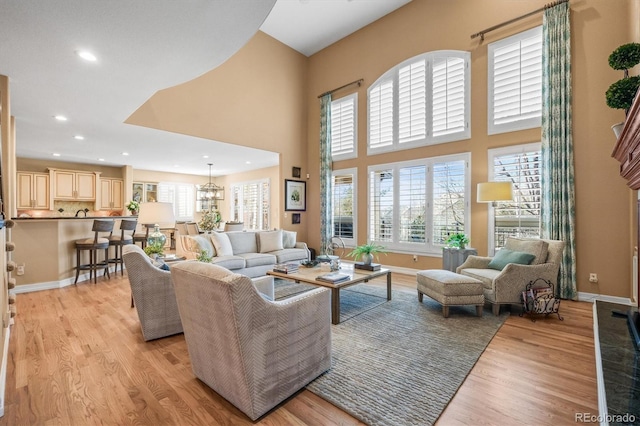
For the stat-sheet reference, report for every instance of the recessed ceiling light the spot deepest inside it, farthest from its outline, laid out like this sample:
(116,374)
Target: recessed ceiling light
(248,162)
(176,165)
(125,153)
(86,55)
(79,137)
(60,118)
(100,159)
(205,156)
(55,154)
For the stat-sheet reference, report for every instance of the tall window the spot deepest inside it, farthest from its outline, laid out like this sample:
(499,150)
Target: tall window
(344,205)
(424,100)
(515,82)
(250,204)
(519,165)
(181,195)
(414,205)
(343,127)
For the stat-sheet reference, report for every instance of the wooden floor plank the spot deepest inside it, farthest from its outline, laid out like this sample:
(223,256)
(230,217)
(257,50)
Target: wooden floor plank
(77,356)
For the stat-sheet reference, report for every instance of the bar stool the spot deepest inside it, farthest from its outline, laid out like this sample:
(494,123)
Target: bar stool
(117,241)
(142,238)
(93,245)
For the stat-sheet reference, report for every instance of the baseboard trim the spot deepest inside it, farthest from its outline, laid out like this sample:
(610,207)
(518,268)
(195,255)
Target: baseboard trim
(592,297)
(50,285)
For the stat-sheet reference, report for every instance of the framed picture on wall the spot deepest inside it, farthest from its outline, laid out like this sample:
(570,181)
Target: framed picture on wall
(295,195)
(296,172)
(295,218)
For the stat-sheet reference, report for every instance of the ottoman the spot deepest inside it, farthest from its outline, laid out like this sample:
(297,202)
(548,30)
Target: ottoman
(449,288)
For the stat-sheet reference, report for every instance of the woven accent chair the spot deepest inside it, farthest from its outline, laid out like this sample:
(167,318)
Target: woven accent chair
(153,295)
(253,352)
(505,287)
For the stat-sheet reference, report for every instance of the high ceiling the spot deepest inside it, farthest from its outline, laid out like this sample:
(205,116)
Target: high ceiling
(143,46)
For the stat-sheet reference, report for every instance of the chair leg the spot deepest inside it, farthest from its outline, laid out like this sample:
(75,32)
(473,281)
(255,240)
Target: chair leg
(106,264)
(496,309)
(445,311)
(420,295)
(479,310)
(77,266)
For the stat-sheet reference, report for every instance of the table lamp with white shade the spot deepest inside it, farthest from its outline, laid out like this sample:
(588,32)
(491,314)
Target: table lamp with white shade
(492,192)
(160,215)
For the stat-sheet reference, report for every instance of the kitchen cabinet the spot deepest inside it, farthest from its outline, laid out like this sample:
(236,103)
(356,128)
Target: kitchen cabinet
(33,191)
(145,192)
(73,185)
(111,194)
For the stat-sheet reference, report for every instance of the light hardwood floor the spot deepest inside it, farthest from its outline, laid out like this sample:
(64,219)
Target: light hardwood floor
(76,356)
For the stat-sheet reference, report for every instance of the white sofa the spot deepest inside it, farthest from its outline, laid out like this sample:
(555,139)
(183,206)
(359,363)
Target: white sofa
(250,253)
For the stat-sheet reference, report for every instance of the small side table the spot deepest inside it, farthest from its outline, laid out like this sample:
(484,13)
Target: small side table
(454,257)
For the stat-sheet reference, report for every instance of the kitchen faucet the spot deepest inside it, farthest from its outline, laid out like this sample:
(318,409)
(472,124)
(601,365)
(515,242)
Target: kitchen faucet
(82,210)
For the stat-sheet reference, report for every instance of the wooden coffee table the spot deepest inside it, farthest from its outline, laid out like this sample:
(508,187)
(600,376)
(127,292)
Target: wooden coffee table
(357,276)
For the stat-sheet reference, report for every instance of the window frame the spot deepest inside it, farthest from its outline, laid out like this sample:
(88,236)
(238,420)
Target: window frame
(189,204)
(392,75)
(492,154)
(518,124)
(348,242)
(354,143)
(233,206)
(428,248)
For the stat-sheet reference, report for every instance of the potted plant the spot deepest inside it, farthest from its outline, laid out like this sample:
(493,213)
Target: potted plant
(133,206)
(367,252)
(154,250)
(203,256)
(457,240)
(621,93)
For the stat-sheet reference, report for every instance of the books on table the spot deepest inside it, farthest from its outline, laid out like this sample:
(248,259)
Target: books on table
(286,268)
(333,277)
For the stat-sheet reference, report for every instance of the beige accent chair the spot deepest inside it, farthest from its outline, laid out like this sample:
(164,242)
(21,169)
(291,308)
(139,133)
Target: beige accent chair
(505,287)
(253,352)
(152,293)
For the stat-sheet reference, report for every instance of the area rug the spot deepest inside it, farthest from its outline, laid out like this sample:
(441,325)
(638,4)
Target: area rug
(401,362)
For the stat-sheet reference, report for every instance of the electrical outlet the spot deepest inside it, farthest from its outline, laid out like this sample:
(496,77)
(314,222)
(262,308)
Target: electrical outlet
(415,257)
(20,270)
(593,278)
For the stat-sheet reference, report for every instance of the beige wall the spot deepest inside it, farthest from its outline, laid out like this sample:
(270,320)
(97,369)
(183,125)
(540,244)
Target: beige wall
(604,204)
(255,99)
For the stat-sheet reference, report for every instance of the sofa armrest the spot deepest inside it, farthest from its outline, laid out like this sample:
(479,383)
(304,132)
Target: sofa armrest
(264,285)
(513,279)
(477,262)
(302,245)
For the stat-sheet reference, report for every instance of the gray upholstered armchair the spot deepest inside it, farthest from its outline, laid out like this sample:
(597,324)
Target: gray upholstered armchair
(505,286)
(253,352)
(153,294)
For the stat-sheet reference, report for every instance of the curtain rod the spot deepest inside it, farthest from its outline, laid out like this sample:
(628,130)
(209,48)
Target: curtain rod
(358,82)
(495,27)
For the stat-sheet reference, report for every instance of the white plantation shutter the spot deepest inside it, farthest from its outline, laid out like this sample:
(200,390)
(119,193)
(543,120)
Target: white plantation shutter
(412,95)
(181,195)
(381,205)
(344,204)
(414,205)
(250,204)
(515,82)
(519,165)
(381,115)
(449,195)
(424,100)
(412,200)
(449,96)
(343,127)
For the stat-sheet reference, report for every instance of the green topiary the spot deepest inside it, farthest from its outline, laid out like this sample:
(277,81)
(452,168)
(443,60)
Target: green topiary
(625,57)
(621,93)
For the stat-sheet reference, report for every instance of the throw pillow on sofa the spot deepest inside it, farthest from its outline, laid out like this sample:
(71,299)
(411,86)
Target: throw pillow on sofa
(200,242)
(222,244)
(289,239)
(270,241)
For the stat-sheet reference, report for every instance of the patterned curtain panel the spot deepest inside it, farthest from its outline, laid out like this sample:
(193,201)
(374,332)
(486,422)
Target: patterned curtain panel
(558,199)
(325,174)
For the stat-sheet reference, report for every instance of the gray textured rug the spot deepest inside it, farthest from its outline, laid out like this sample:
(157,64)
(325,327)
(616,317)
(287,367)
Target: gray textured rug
(401,362)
